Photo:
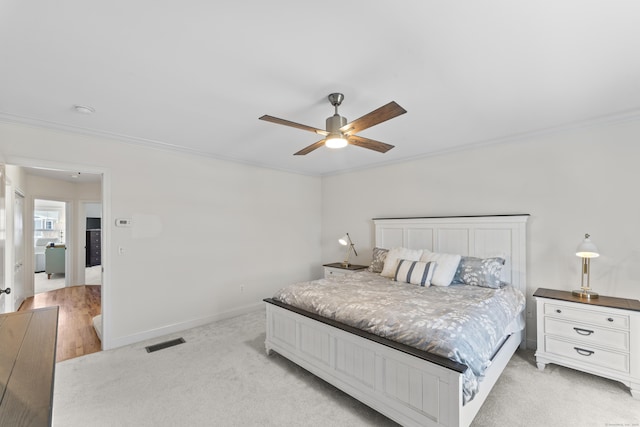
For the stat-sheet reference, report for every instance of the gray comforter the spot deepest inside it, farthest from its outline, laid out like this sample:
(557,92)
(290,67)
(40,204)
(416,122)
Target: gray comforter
(462,323)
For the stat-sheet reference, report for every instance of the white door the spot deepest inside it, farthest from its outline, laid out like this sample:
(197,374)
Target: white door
(18,290)
(4,298)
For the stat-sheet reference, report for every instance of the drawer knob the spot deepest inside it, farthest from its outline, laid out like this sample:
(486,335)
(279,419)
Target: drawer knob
(583,352)
(581,331)
(610,319)
(558,311)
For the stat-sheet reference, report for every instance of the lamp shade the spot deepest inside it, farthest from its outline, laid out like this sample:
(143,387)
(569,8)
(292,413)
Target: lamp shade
(587,249)
(346,241)
(336,141)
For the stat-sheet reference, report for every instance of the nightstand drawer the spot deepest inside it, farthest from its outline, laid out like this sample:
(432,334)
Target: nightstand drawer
(334,272)
(337,269)
(589,355)
(588,334)
(587,316)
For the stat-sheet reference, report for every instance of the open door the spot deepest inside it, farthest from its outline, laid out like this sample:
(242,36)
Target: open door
(6,302)
(19,287)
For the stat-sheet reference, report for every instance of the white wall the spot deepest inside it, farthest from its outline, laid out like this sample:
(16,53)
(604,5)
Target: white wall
(204,228)
(210,238)
(92,210)
(571,183)
(17,176)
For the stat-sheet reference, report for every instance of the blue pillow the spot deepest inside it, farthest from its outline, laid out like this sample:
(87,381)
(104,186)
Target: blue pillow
(483,272)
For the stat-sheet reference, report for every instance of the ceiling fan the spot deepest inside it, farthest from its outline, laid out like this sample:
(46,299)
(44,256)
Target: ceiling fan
(339,133)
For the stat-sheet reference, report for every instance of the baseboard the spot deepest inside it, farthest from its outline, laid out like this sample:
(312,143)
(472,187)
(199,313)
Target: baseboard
(178,327)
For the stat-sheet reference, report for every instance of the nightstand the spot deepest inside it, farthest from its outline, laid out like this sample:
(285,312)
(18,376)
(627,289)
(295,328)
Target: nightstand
(599,336)
(337,269)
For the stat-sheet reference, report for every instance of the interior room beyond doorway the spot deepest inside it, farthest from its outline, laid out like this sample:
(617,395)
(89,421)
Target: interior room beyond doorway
(50,245)
(49,235)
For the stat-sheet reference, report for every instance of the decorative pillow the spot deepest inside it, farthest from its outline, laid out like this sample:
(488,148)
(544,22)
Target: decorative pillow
(396,254)
(377,260)
(447,264)
(414,272)
(484,272)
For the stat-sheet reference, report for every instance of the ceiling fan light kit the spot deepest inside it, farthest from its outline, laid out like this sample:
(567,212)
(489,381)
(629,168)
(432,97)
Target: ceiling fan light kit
(336,141)
(339,133)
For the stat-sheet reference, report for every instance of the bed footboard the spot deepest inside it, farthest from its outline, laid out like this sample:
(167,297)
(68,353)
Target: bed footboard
(409,390)
(411,387)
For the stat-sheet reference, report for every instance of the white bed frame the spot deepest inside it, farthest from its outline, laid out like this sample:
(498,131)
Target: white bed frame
(409,386)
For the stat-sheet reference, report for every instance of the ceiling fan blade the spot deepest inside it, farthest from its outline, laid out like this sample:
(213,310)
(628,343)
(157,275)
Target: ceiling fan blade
(310,148)
(375,117)
(276,120)
(369,143)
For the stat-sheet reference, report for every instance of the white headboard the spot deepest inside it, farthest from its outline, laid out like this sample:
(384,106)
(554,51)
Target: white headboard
(480,236)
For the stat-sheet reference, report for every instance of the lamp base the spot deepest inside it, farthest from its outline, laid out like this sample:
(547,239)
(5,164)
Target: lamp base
(585,293)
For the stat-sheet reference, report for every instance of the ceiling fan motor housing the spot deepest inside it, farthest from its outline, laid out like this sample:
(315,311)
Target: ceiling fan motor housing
(335,122)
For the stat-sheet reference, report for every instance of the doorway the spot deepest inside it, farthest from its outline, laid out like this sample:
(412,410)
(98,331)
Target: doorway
(92,221)
(50,245)
(56,207)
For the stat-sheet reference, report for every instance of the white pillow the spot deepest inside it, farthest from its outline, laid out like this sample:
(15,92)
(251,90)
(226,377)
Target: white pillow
(396,254)
(446,267)
(415,272)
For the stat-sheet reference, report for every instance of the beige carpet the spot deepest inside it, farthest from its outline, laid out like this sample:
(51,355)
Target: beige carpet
(221,376)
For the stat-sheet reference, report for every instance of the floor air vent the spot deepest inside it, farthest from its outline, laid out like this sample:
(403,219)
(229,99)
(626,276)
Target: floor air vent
(163,345)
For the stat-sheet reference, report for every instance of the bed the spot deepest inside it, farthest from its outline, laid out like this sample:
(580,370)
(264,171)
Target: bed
(409,385)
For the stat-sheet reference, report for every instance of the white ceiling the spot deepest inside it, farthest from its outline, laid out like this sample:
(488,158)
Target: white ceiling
(197,74)
(61,175)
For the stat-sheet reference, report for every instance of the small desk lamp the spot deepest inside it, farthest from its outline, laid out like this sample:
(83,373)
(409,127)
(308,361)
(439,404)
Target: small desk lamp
(346,241)
(586,250)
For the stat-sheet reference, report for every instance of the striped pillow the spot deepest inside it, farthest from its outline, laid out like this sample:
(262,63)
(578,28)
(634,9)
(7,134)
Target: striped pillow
(414,272)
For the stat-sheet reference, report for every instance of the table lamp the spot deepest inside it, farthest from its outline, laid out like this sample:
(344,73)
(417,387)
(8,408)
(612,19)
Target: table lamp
(586,250)
(346,241)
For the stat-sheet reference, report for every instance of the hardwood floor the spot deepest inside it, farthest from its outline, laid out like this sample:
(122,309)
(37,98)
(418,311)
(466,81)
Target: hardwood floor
(78,306)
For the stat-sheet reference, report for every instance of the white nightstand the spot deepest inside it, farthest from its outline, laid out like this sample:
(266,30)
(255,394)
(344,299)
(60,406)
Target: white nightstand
(338,269)
(600,336)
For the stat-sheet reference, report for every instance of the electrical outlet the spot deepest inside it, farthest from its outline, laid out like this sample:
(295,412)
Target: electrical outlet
(529,314)
(242,289)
